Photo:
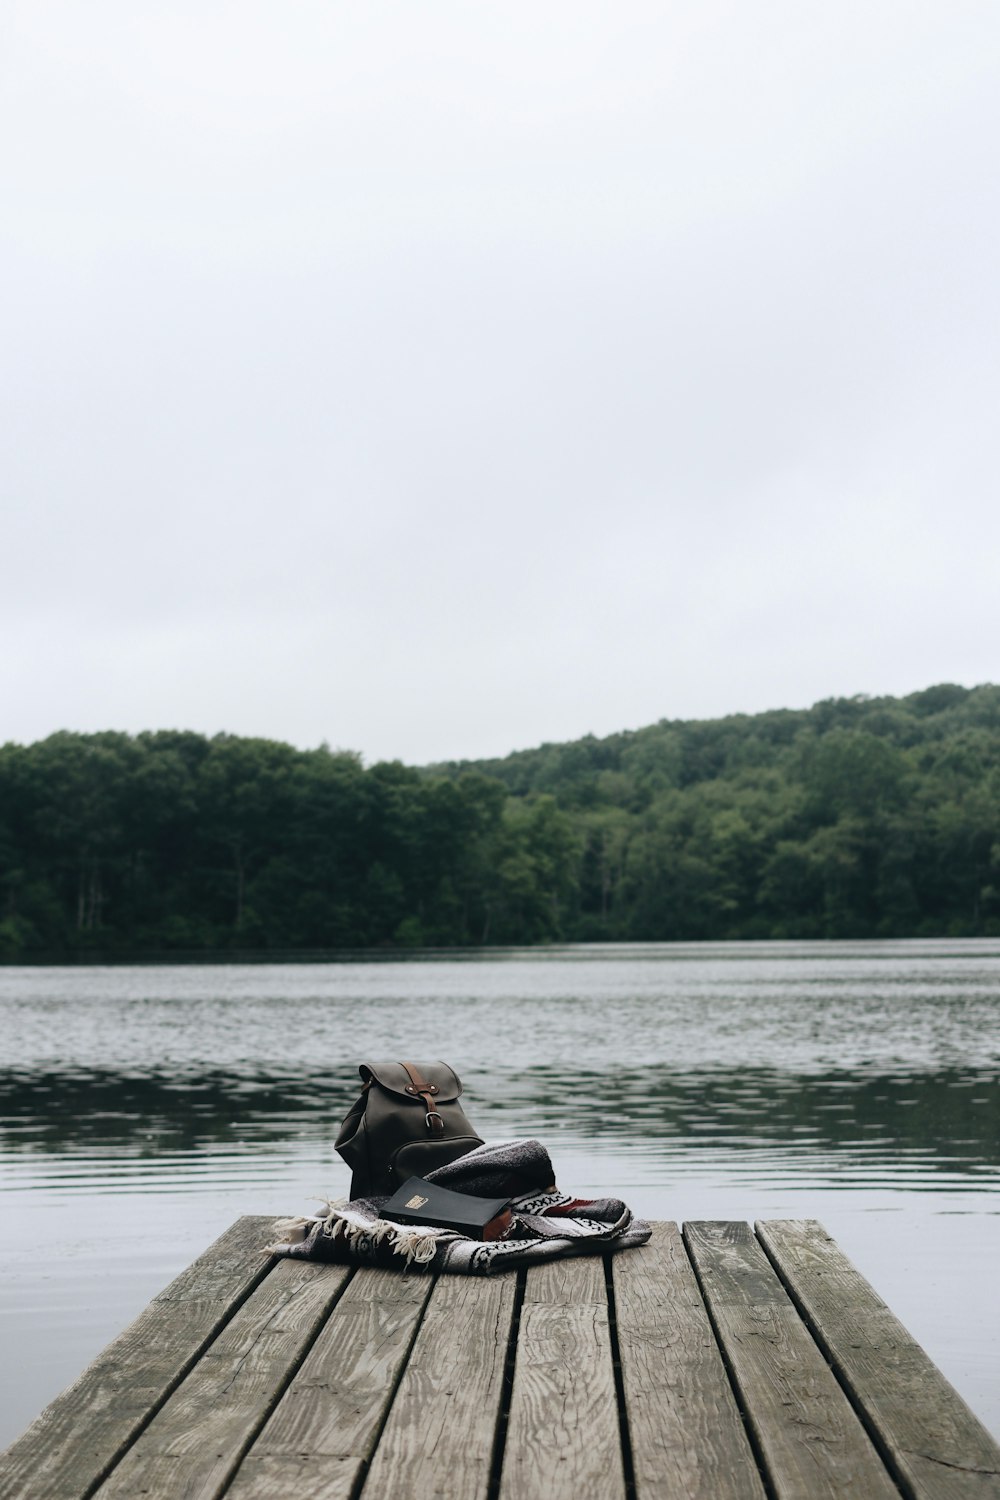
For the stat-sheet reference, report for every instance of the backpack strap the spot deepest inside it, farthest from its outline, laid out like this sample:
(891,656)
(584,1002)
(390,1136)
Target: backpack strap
(419,1085)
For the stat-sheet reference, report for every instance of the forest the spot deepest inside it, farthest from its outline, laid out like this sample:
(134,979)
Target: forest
(859,817)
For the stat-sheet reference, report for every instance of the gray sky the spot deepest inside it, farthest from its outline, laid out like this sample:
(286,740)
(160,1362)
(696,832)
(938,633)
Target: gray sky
(440,378)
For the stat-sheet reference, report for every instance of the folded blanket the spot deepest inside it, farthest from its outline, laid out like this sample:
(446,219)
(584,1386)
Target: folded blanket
(546,1224)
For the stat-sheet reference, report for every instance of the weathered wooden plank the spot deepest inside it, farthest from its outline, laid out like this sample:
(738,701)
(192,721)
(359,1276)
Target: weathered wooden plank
(934,1444)
(806,1432)
(439,1439)
(324,1429)
(563,1434)
(66,1451)
(687,1436)
(193,1444)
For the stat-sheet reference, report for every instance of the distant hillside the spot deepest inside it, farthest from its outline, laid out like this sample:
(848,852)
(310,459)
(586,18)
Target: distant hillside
(858,817)
(682,752)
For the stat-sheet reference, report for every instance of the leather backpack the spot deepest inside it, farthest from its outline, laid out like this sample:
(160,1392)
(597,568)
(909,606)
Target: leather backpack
(407,1122)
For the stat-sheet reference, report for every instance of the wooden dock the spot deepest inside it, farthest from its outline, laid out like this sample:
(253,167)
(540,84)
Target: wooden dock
(717,1363)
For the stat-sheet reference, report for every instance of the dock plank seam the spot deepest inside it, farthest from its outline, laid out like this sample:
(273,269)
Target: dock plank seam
(624,1431)
(503,1415)
(748,1426)
(357,1488)
(563,1434)
(290,1374)
(811,1439)
(882,1447)
(182,1374)
(58,1483)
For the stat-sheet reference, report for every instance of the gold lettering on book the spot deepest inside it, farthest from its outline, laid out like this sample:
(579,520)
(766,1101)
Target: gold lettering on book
(416,1201)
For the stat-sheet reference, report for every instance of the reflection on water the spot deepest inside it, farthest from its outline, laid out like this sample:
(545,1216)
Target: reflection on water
(925,1130)
(143,1108)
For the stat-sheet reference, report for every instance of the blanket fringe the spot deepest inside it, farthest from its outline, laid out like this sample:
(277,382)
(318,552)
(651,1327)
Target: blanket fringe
(292,1231)
(413,1242)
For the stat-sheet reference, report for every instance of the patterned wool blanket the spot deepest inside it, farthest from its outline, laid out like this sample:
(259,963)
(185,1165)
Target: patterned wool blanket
(546,1224)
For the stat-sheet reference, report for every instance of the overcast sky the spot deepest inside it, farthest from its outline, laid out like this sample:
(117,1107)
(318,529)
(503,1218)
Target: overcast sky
(435,379)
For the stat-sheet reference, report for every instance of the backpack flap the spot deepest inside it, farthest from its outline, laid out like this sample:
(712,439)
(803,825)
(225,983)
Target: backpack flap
(396,1078)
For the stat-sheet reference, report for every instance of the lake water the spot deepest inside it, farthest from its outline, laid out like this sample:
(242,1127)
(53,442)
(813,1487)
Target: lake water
(143,1108)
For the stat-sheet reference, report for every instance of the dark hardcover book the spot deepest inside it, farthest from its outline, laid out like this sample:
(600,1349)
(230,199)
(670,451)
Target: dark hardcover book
(420,1202)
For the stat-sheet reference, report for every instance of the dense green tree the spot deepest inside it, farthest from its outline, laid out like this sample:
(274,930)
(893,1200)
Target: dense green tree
(858,817)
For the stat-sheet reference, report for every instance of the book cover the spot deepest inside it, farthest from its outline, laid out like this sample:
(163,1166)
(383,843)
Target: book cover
(420,1202)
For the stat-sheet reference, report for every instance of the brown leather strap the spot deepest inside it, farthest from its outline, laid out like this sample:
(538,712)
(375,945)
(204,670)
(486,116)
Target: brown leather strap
(419,1085)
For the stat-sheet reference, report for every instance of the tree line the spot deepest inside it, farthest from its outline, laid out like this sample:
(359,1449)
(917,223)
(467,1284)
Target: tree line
(859,817)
